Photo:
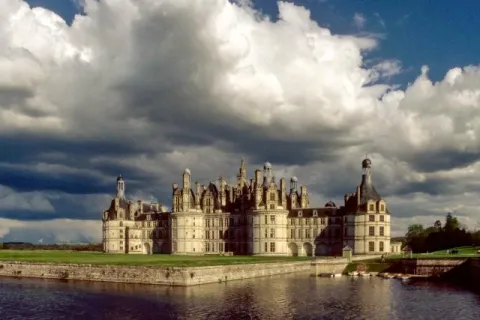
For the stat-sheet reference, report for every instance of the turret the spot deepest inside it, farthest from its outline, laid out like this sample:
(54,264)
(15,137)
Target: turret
(223,196)
(283,193)
(267,173)
(186,190)
(293,184)
(303,197)
(197,195)
(120,187)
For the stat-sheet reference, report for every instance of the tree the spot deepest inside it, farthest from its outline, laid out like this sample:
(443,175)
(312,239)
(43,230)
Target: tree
(438,225)
(451,223)
(414,230)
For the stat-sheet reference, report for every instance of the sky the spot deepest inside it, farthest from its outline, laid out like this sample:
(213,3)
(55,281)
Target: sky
(146,88)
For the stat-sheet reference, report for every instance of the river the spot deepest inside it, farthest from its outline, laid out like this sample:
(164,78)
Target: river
(294,296)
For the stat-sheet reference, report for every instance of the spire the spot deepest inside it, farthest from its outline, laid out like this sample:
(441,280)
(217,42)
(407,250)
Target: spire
(367,189)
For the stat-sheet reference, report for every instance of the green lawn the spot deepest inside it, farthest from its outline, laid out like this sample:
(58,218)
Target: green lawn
(161,260)
(370,266)
(463,252)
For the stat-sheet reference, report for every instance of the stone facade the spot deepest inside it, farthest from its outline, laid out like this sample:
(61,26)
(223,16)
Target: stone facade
(257,216)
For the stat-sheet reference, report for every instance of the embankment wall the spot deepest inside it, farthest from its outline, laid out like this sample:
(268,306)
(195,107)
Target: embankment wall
(174,276)
(430,267)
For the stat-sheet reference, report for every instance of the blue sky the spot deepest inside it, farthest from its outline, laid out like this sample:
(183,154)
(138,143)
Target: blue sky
(147,93)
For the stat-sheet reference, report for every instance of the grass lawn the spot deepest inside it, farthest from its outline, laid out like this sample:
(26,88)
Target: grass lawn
(370,266)
(463,252)
(160,260)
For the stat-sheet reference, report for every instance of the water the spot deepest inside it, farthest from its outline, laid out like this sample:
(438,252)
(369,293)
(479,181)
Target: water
(296,296)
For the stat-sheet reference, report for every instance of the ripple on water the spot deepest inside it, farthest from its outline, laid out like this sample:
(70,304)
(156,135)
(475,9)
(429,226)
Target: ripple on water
(281,297)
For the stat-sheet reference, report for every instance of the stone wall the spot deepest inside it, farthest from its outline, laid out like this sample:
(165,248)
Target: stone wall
(430,267)
(336,265)
(175,276)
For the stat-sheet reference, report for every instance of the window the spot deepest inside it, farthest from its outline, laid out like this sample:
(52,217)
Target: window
(371,246)
(193,235)
(266,232)
(292,233)
(371,231)
(382,231)
(382,207)
(266,219)
(372,207)
(315,232)
(300,233)
(293,222)
(315,221)
(220,234)
(272,206)
(315,213)
(300,213)
(207,247)
(272,246)
(121,248)
(381,246)
(207,234)
(121,223)
(371,218)
(266,247)
(272,233)
(307,233)
(345,232)
(307,221)
(272,196)
(220,247)
(346,219)
(322,220)
(272,219)
(382,218)
(220,223)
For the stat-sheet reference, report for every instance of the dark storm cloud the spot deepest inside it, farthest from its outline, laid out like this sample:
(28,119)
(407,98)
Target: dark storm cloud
(442,160)
(26,180)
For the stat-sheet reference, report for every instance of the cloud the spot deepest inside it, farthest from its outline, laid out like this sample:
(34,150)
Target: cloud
(28,201)
(147,88)
(359,20)
(50,231)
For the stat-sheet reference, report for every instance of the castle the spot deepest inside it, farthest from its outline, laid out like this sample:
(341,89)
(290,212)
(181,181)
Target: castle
(253,217)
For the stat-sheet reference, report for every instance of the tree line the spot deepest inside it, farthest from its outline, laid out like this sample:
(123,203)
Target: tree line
(31,246)
(440,236)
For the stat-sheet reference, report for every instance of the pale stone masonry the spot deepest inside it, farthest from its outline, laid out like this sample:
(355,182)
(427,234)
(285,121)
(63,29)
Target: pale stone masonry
(257,216)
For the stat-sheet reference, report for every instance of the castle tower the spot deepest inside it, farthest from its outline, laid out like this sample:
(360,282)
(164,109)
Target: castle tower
(293,192)
(120,187)
(267,173)
(186,189)
(370,231)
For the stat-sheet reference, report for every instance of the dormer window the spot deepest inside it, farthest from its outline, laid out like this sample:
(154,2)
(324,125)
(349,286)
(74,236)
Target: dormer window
(382,207)
(300,214)
(315,213)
